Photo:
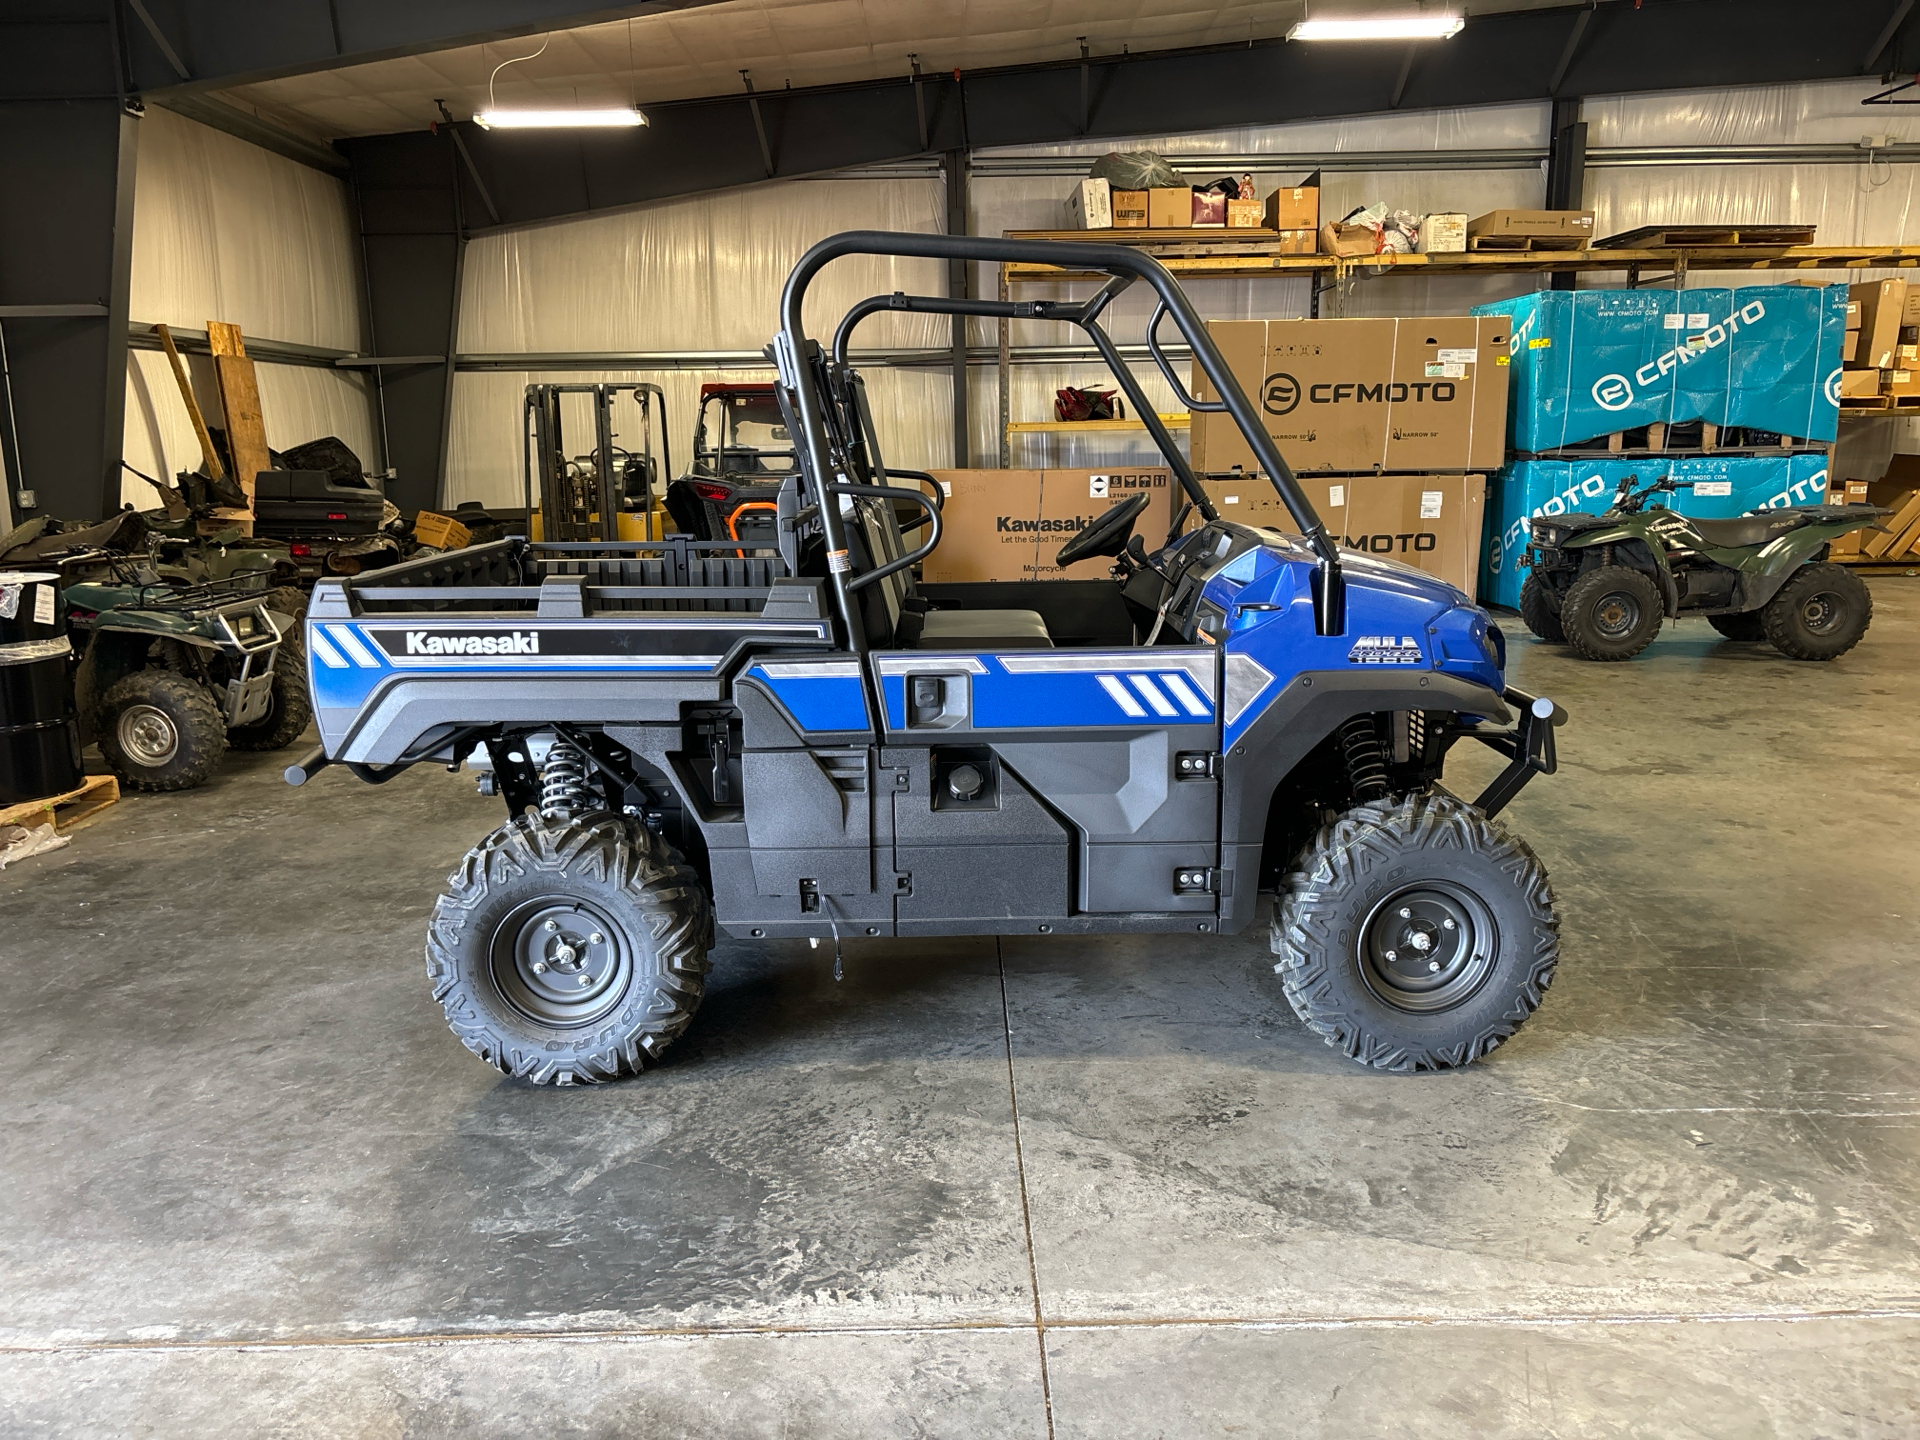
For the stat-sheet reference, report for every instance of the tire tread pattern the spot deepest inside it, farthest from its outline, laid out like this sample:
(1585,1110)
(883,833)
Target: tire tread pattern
(607,851)
(1780,615)
(1587,589)
(1316,974)
(202,730)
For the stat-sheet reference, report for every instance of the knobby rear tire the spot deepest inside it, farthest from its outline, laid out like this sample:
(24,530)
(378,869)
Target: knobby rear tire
(616,895)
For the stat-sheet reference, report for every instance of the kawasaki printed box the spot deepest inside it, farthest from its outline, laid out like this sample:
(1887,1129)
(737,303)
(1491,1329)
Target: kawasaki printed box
(1724,486)
(1588,362)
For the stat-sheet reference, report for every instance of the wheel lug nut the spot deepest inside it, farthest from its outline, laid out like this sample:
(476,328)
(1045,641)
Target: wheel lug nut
(586,980)
(539,967)
(1432,965)
(1446,925)
(553,924)
(1405,913)
(1391,956)
(595,938)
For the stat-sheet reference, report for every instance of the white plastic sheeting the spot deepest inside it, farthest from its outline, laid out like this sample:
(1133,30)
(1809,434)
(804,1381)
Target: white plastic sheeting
(224,230)
(705,274)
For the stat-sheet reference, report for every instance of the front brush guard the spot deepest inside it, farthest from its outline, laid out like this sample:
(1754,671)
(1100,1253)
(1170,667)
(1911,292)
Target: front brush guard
(1528,745)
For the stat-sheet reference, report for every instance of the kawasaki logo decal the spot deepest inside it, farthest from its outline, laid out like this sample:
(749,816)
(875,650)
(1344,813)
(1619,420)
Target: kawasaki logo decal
(520,642)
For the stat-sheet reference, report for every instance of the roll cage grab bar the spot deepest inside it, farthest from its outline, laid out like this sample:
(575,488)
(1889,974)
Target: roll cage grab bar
(795,356)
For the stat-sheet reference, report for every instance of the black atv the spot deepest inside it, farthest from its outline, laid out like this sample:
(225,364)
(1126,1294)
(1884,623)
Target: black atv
(1602,584)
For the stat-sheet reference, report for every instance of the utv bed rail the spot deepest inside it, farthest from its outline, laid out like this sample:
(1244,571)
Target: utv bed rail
(571,580)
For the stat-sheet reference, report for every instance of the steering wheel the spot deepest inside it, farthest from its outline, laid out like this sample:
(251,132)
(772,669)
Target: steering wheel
(1106,535)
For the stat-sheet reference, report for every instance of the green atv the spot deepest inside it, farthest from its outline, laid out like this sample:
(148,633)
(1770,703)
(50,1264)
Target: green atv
(1602,584)
(172,670)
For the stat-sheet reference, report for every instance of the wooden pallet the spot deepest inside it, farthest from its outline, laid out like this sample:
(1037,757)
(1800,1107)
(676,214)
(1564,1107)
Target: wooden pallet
(1676,442)
(1880,404)
(66,812)
(1678,237)
(1524,244)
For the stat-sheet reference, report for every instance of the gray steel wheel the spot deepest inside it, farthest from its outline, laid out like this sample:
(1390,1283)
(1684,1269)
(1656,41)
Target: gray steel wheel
(570,951)
(160,730)
(147,735)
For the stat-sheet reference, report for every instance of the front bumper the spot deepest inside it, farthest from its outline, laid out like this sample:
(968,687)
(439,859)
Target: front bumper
(1527,744)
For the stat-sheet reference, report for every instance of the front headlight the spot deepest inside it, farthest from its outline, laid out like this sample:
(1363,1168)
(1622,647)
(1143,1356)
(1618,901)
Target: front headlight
(243,624)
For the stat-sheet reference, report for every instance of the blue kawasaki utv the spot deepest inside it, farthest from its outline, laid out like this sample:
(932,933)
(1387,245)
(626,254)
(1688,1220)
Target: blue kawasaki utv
(798,738)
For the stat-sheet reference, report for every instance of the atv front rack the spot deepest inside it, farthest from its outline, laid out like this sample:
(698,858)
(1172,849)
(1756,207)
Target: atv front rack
(1527,744)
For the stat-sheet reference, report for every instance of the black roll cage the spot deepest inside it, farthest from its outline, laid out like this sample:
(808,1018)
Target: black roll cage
(794,354)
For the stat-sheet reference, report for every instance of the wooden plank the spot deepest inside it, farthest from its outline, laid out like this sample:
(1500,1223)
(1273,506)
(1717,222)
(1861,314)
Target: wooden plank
(209,457)
(66,812)
(240,398)
(224,338)
(1668,237)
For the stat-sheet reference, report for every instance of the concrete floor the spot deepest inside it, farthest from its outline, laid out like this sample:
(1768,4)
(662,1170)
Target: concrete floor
(1069,1187)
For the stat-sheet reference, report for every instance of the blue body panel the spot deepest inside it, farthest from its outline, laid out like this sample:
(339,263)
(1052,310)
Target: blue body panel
(821,695)
(1397,618)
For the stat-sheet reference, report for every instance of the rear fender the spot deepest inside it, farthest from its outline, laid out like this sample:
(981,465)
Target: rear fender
(1765,570)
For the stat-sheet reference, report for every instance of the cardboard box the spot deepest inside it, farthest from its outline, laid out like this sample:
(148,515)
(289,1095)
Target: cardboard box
(1296,207)
(1898,384)
(1853,307)
(1348,240)
(1859,384)
(1850,347)
(1910,308)
(1882,309)
(1090,205)
(1298,242)
(1431,522)
(1357,395)
(1244,215)
(442,532)
(1170,207)
(1444,234)
(1129,209)
(1549,223)
(1009,524)
(1209,210)
(1847,492)
(1899,491)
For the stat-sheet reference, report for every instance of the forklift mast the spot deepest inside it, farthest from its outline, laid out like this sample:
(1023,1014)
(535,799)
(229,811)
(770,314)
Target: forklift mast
(581,497)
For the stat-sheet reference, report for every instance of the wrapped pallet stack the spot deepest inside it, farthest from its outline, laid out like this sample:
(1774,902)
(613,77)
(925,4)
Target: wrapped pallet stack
(1735,390)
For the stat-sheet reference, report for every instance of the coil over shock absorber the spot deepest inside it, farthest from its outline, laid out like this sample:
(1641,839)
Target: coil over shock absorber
(1366,765)
(563,782)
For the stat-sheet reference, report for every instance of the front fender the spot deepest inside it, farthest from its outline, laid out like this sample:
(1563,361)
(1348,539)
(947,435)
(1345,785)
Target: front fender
(1294,722)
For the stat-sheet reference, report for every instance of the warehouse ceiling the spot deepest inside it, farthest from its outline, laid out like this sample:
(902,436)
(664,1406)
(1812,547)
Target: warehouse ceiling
(700,52)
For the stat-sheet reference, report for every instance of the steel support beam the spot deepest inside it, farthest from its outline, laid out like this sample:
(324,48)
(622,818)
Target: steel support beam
(959,287)
(1567,166)
(413,236)
(66,256)
(205,44)
(1613,47)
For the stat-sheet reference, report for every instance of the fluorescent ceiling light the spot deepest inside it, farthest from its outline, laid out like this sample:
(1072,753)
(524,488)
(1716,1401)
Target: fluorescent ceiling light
(557,119)
(1379,27)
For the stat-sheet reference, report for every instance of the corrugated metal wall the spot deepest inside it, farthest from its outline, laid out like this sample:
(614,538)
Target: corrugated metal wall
(704,274)
(224,230)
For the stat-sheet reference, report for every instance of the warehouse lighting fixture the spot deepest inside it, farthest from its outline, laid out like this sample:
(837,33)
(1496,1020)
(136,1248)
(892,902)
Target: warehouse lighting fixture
(617,117)
(558,119)
(1379,27)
